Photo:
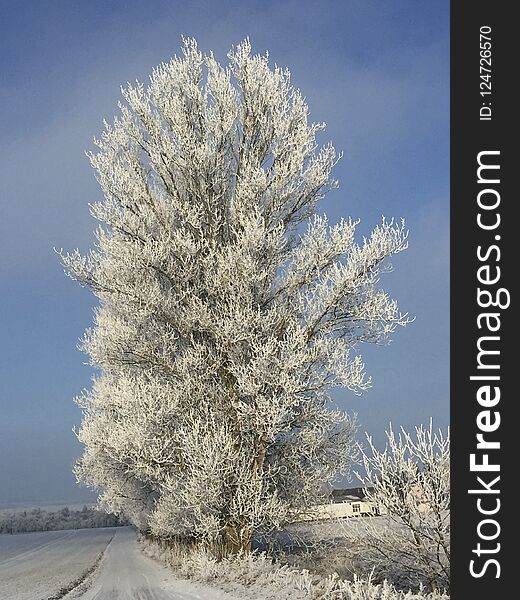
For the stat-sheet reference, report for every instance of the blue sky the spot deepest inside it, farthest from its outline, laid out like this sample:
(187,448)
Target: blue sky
(377,72)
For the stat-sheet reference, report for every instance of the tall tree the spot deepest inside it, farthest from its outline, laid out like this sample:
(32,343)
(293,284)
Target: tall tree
(228,308)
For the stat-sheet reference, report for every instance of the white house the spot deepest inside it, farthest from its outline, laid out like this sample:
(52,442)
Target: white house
(343,503)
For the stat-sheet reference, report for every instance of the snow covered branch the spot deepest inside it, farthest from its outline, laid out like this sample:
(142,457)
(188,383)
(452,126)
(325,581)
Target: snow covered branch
(227,307)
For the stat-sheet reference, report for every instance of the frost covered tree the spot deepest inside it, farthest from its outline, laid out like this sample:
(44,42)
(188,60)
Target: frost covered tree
(411,488)
(227,307)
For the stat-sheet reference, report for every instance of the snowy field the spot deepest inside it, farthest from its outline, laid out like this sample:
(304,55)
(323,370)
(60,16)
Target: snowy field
(326,533)
(43,566)
(36,566)
(39,566)
(323,547)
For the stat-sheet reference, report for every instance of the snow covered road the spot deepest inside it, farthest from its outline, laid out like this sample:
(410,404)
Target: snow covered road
(125,573)
(40,566)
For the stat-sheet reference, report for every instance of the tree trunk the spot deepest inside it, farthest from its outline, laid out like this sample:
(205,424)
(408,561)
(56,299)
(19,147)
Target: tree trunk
(236,541)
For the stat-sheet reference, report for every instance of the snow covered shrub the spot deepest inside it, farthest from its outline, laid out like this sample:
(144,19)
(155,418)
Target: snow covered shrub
(228,308)
(258,577)
(411,486)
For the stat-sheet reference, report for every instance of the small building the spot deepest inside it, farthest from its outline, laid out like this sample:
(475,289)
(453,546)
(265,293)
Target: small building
(344,503)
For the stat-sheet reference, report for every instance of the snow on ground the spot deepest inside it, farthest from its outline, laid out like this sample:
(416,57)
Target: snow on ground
(125,573)
(35,566)
(13,545)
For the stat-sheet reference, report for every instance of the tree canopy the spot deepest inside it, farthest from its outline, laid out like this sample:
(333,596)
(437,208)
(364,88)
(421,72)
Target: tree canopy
(228,308)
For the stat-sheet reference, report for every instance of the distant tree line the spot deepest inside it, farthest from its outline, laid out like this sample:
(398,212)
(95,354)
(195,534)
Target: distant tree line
(42,520)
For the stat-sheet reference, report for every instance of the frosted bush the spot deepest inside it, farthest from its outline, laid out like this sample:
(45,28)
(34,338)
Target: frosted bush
(410,483)
(257,577)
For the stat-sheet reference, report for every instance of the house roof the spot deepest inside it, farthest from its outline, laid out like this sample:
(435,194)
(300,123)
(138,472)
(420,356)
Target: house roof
(349,494)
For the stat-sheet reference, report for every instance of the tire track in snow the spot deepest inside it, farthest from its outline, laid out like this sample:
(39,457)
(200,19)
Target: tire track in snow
(125,573)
